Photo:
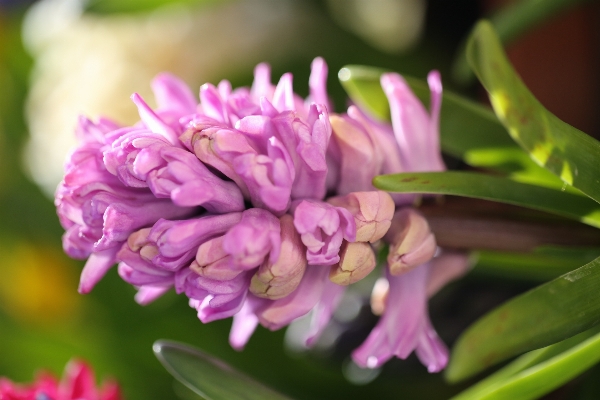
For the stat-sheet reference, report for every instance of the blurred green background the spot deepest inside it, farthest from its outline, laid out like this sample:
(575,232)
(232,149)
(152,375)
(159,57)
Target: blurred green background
(63,58)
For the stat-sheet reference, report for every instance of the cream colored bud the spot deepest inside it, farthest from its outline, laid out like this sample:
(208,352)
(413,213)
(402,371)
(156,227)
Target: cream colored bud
(137,239)
(277,280)
(213,262)
(411,241)
(357,260)
(372,211)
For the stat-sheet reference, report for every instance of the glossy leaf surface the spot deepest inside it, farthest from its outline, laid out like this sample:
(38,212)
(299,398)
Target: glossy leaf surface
(545,315)
(493,188)
(565,151)
(538,372)
(209,377)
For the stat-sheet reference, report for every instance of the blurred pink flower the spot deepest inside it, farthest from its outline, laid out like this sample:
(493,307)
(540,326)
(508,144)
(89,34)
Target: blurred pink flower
(78,383)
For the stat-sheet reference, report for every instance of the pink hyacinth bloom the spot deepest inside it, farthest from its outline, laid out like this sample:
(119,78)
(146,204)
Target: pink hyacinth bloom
(322,228)
(323,311)
(269,177)
(213,299)
(411,241)
(141,160)
(172,244)
(354,153)
(405,326)
(98,211)
(255,237)
(275,280)
(314,290)
(225,200)
(78,383)
(416,131)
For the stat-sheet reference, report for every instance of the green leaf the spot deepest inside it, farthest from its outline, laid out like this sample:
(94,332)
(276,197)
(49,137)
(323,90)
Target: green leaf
(468,130)
(540,371)
(565,151)
(135,6)
(545,315)
(209,377)
(511,22)
(493,188)
(544,264)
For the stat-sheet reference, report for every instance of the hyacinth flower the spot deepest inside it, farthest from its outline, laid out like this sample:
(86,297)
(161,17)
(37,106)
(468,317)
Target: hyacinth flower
(254,203)
(405,325)
(97,210)
(78,383)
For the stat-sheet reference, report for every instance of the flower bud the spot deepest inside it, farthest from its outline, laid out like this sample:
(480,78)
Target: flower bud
(212,261)
(278,279)
(357,260)
(411,241)
(372,211)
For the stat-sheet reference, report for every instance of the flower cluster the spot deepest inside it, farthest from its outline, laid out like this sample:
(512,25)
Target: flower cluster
(258,204)
(78,383)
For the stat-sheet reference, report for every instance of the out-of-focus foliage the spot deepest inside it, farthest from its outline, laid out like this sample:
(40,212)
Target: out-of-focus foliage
(44,322)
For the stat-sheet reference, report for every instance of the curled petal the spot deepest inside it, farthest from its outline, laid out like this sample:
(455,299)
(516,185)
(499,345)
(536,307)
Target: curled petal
(95,268)
(153,122)
(171,244)
(262,86)
(173,94)
(219,148)
(245,322)
(147,294)
(404,326)
(358,161)
(322,228)
(318,83)
(253,238)
(417,133)
(269,178)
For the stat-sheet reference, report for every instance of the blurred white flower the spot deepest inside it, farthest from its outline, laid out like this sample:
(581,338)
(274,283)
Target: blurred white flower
(90,64)
(392,26)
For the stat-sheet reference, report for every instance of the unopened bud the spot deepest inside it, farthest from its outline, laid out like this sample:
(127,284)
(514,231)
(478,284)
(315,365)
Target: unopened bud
(411,241)
(372,211)
(276,280)
(357,260)
(213,262)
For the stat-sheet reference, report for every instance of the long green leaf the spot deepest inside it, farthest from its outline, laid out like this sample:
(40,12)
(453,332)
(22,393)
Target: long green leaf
(493,188)
(209,377)
(139,6)
(544,264)
(511,22)
(468,130)
(545,375)
(545,315)
(565,151)
(535,368)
